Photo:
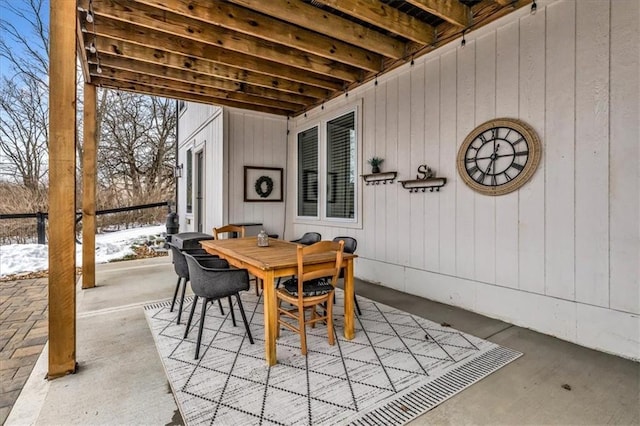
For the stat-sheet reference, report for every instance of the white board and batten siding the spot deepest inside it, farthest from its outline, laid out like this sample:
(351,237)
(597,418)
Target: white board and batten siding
(562,254)
(230,139)
(254,139)
(201,130)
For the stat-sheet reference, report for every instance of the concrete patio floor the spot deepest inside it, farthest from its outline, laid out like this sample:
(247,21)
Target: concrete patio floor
(121,380)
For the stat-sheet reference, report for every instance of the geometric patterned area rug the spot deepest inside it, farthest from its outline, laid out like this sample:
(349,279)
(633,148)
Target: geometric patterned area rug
(397,367)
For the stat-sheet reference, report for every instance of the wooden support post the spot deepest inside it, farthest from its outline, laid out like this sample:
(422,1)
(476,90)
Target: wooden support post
(89,156)
(62,183)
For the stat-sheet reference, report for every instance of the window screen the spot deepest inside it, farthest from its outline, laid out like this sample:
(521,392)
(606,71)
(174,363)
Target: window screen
(341,167)
(308,173)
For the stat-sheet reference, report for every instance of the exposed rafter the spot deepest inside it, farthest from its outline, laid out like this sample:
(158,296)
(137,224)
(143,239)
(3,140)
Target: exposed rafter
(381,15)
(229,18)
(278,56)
(304,15)
(450,10)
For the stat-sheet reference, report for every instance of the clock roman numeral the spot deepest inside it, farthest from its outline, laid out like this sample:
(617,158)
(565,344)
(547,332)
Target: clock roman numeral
(517,166)
(521,153)
(472,171)
(494,180)
(507,176)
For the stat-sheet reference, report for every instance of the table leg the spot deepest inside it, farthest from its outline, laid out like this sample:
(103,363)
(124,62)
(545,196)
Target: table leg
(349,291)
(270,317)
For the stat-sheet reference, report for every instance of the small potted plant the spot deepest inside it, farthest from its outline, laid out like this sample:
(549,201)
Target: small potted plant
(375,164)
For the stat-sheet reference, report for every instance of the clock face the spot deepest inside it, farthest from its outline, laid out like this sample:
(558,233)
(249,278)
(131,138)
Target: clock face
(499,156)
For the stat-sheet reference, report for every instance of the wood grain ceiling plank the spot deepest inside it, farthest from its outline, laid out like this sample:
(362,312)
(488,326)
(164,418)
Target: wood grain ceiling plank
(245,21)
(307,16)
(138,36)
(109,49)
(381,15)
(126,64)
(178,27)
(166,93)
(196,89)
(450,10)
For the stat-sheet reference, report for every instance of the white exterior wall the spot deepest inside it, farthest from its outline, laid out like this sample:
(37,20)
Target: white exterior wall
(254,139)
(201,128)
(562,254)
(231,139)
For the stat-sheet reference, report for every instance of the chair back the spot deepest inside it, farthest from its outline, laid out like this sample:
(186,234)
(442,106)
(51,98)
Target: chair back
(308,272)
(308,238)
(179,262)
(212,278)
(228,229)
(350,244)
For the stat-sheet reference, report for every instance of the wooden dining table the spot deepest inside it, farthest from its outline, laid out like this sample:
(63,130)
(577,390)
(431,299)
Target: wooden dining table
(279,260)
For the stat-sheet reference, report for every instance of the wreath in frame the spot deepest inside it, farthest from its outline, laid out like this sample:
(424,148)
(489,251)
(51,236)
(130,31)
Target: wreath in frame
(260,189)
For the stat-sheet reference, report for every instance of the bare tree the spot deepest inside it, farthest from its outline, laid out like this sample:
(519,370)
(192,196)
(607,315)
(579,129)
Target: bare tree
(137,140)
(24,92)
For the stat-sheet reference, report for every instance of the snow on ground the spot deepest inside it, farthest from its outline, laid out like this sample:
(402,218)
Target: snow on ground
(24,258)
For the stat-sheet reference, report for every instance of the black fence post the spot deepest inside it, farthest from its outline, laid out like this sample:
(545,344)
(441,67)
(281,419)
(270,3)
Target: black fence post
(40,218)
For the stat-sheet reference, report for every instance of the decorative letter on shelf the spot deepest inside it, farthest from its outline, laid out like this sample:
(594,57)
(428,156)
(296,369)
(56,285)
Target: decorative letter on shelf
(376,178)
(424,180)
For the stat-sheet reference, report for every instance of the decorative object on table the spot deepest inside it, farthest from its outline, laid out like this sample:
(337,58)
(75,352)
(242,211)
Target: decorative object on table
(263,184)
(425,180)
(499,156)
(341,384)
(377,178)
(263,239)
(375,164)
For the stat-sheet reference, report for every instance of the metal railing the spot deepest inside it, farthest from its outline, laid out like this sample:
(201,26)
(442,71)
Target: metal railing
(41,217)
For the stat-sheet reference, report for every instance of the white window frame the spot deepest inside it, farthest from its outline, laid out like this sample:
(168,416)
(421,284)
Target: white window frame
(321,122)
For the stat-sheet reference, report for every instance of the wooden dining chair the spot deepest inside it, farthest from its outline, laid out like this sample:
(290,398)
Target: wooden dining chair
(228,229)
(307,290)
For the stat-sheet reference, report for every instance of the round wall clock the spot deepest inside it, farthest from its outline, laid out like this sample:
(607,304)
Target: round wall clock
(499,156)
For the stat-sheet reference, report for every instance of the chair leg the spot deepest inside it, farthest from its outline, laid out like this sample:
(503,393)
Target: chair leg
(244,318)
(220,306)
(184,289)
(233,316)
(355,300)
(302,330)
(193,309)
(175,294)
(278,318)
(204,313)
(329,314)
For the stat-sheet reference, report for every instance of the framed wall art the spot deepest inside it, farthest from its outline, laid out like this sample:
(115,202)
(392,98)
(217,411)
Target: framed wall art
(262,184)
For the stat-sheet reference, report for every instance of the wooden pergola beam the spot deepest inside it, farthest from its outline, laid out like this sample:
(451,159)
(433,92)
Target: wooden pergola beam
(251,24)
(62,188)
(381,15)
(112,65)
(307,16)
(89,173)
(204,69)
(167,93)
(450,10)
(195,89)
(127,41)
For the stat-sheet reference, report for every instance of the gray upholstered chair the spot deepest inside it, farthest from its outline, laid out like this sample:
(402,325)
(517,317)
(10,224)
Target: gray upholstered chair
(308,238)
(350,245)
(211,279)
(182,270)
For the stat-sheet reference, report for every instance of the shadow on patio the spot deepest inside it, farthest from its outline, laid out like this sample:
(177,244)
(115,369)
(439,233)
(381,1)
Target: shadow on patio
(121,379)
